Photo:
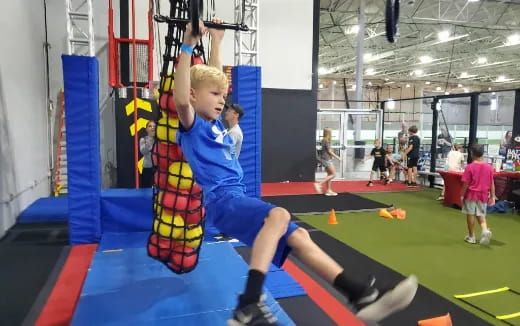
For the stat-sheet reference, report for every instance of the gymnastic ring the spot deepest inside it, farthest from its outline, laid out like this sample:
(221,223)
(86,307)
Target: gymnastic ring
(392,20)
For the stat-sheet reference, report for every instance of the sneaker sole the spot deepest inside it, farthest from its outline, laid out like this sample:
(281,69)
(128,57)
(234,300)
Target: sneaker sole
(393,301)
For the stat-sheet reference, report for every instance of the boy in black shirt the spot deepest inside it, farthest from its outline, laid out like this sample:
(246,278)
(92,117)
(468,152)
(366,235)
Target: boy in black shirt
(379,155)
(412,152)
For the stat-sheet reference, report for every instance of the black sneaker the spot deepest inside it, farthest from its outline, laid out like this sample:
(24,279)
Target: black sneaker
(370,184)
(413,184)
(254,314)
(377,304)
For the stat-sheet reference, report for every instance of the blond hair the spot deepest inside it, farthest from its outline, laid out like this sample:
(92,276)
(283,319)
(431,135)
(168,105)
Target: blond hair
(327,134)
(204,75)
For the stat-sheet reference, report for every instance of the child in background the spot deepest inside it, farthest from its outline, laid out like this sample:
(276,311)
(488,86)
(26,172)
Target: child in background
(379,155)
(325,158)
(412,153)
(477,190)
(393,160)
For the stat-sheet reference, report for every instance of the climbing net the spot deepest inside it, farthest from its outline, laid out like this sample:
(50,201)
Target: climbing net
(178,226)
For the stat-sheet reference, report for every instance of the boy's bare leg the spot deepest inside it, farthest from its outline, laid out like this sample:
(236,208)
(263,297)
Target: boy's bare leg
(470,220)
(372,305)
(486,234)
(414,174)
(313,256)
(266,241)
(482,221)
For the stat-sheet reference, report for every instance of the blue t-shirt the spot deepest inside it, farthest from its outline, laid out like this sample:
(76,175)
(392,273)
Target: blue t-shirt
(211,154)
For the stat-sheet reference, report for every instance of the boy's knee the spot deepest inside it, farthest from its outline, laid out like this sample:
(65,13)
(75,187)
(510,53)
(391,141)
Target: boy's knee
(279,216)
(300,235)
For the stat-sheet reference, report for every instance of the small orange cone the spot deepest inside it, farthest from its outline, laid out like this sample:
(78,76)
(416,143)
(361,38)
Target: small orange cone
(394,212)
(401,214)
(332,217)
(437,321)
(384,213)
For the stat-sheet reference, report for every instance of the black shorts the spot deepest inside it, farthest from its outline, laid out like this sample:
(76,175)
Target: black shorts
(412,162)
(379,166)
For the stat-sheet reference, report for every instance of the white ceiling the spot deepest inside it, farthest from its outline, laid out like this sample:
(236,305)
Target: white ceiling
(487,28)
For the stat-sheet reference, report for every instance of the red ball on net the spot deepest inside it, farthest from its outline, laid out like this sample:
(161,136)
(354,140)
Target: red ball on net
(183,258)
(159,247)
(165,154)
(167,103)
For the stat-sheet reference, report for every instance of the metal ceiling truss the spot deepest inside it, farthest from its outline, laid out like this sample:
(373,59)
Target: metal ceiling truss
(476,29)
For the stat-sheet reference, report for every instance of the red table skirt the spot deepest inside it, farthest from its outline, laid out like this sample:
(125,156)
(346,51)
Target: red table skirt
(453,185)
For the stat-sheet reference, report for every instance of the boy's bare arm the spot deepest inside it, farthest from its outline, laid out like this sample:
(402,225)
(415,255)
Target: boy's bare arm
(463,190)
(182,80)
(216,39)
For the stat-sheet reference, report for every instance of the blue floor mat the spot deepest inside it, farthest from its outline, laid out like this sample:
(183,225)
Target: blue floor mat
(50,209)
(278,282)
(126,287)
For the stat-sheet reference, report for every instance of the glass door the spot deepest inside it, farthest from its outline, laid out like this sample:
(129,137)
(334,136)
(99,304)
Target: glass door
(362,127)
(353,135)
(335,121)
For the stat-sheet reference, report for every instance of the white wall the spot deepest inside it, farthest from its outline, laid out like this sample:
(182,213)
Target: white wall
(286,30)
(285,39)
(24,149)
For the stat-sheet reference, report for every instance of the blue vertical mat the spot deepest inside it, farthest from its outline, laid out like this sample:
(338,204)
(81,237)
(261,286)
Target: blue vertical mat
(126,287)
(247,91)
(81,84)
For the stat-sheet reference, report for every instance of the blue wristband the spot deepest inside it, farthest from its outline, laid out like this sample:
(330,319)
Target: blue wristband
(187,49)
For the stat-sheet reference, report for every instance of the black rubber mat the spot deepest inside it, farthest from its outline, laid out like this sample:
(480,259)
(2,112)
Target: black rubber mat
(427,304)
(28,254)
(308,204)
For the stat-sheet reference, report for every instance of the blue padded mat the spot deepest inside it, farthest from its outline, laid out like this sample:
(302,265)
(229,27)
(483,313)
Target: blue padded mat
(126,287)
(51,209)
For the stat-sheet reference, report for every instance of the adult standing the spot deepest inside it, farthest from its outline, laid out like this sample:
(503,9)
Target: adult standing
(145,147)
(232,116)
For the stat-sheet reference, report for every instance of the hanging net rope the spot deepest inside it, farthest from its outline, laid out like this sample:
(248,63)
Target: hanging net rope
(178,225)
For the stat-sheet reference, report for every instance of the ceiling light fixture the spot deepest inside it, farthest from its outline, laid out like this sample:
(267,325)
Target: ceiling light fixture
(407,85)
(370,72)
(352,29)
(438,88)
(513,39)
(473,0)
(418,72)
(482,60)
(464,75)
(321,85)
(427,83)
(443,35)
(425,59)
(446,93)
(369,83)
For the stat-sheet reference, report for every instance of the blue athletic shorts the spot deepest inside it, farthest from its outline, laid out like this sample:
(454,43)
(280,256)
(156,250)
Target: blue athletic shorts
(242,217)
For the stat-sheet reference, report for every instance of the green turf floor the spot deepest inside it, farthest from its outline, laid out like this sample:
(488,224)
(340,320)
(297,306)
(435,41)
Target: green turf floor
(429,243)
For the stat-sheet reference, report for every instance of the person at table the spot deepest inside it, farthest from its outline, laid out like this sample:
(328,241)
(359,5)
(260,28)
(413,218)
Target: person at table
(444,142)
(506,143)
(455,163)
(478,189)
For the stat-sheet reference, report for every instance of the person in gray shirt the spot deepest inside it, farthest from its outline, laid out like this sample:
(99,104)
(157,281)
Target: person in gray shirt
(232,116)
(145,147)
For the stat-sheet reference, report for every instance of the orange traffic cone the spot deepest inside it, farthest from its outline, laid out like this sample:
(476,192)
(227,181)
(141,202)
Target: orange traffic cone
(384,213)
(401,214)
(437,321)
(332,217)
(394,212)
